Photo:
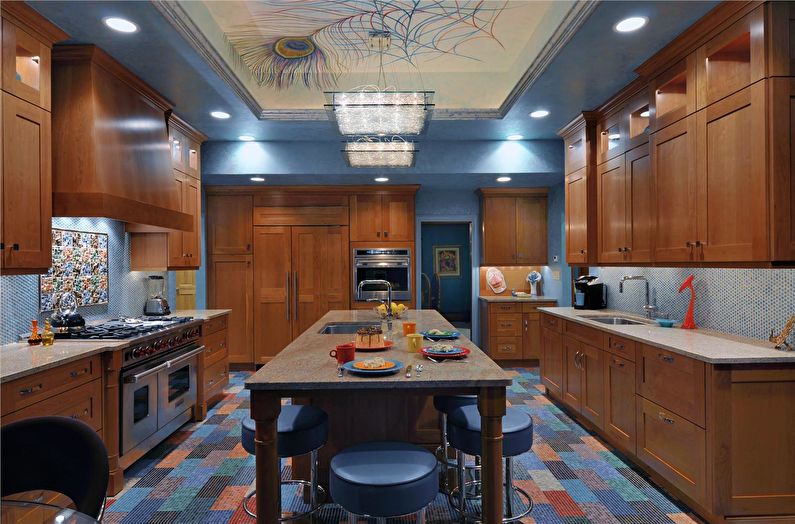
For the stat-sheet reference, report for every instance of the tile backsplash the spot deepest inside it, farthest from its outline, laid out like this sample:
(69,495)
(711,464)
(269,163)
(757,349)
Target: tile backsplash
(747,302)
(19,294)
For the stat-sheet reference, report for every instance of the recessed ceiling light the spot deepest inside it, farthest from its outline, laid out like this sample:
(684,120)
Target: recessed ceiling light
(514,137)
(246,138)
(633,23)
(644,114)
(121,25)
(257,179)
(223,115)
(614,136)
(382,179)
(539,113)
(504,179)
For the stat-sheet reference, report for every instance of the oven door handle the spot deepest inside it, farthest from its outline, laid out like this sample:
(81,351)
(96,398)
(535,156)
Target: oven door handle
(183,358)
(133,379)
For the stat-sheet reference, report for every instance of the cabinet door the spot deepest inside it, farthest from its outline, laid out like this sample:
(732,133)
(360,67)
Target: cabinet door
(176,251)
(674,94)
(26,187)
(551,365)
(531,343)
(577,217)
(782,164)
(499,230)
(191,158)
(610,137)
(230,286)
(335,267)
(366,218)
(619,421)
(178,143)
(307,286)
(531,230)
(576,151)
(273,297)
(732,179)
(636,120)
(572,373)
(229,224)
(611,210)
(674,170)
(192,198)
(26,66)
(640,215)
(592,369)
(398,217)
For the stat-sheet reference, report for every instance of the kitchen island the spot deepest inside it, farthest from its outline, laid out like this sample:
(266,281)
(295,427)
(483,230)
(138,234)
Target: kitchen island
(365,409)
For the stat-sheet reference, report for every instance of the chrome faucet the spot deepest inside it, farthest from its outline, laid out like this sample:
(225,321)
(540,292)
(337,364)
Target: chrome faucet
(649,308)
(388,304)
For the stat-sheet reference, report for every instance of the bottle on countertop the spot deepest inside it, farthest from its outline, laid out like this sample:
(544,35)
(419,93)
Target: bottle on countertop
(35,337)
(48,337)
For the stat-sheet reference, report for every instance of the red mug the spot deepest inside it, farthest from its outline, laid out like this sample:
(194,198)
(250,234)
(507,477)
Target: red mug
(343,353)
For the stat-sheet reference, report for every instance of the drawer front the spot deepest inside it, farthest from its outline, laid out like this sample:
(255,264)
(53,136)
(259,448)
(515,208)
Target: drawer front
(506,325)
(81,403)
(620,409)
(532,307)
(505,348)
(214,324)
(584,333)
(673,447)
(550,322)
(26,391)
(673,381)
(215,347)
(216,374)
(512,307)
(623,347)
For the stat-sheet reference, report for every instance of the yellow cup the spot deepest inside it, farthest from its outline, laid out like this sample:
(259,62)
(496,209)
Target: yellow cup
(415,342)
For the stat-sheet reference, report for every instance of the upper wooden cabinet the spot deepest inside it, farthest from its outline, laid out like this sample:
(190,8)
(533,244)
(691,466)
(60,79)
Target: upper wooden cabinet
(185,143)
(780,124)
(610,136)
(577,227)
(514,228)
(229,224)
(636,120)
(611,189)
(580,142)
(576,150)
(673,94)
(382,217)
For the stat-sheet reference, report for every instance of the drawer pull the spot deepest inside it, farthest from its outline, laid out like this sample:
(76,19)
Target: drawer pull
(618,345)
(618,363)
(665,419)
(666,358)
(81,415)
(506,324)
(27,391)
(75,374)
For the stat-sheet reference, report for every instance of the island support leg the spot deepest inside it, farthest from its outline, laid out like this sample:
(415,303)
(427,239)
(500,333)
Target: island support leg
(491,404)
(265,409)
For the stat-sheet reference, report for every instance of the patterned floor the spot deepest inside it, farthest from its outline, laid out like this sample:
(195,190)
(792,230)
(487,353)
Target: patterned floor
(201,473)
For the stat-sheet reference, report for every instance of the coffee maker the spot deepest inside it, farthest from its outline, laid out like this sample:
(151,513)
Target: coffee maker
(156,303)
(589,293)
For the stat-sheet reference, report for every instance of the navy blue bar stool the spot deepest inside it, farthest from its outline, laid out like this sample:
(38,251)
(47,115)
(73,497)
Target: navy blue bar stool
(300,430)
(384,479)
(444,404)
(463,430)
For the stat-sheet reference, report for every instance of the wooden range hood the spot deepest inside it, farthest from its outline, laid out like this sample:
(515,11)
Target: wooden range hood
(111,156)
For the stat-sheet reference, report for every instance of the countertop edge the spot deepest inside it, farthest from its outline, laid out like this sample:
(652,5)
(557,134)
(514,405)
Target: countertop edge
(510,298)
(782,359)
(201,314)
(352,386)
(60,362)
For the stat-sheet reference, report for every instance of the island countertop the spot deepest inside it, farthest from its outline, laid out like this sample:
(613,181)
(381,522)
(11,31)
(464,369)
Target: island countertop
(305,363)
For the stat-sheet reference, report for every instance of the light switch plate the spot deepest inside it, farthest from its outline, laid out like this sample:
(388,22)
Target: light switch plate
(555,275)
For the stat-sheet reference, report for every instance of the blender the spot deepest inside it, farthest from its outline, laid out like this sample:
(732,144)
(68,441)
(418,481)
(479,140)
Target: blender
(156,304)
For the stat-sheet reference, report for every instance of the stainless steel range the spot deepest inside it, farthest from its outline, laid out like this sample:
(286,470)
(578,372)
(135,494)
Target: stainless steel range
(158,378)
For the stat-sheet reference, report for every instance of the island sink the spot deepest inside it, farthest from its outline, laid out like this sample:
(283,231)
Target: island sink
(346,328)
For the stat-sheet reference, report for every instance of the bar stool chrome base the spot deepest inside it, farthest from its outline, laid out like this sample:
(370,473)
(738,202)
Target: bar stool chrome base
(442,454)
(353,519)
(317,493)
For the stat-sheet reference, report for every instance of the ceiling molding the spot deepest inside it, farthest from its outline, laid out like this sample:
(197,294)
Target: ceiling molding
(173,12)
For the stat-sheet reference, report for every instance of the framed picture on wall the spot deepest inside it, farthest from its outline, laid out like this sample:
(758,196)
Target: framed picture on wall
(447,261)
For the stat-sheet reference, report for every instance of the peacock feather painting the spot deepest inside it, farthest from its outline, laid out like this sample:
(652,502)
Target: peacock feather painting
(314,42)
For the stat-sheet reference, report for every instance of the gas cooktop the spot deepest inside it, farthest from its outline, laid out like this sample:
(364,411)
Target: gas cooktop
(124,328)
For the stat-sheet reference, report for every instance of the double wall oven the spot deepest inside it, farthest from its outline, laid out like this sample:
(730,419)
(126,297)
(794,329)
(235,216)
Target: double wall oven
(390,264)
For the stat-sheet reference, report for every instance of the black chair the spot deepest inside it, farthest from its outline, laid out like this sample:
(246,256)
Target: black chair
(56,454)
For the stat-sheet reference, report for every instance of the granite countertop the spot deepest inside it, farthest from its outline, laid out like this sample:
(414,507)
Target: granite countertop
(305,364)
(511,298)
(19,359)
(701,344)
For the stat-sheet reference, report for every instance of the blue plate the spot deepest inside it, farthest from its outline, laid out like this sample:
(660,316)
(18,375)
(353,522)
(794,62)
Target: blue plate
(431,351)
(454,335)
(348,366)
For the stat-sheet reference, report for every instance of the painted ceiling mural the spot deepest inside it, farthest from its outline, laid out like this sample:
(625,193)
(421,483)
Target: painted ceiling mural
(472,53)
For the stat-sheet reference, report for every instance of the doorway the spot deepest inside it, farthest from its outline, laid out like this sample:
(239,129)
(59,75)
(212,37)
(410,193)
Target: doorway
(446,277)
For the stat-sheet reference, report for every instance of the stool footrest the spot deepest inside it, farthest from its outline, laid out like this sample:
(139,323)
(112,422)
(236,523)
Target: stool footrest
(322,496)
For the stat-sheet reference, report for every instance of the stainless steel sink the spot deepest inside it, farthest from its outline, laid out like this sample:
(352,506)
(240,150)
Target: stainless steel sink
(616,321)
(345,328)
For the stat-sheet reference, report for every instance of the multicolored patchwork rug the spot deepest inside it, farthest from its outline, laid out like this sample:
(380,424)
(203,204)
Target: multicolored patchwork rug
(201,473)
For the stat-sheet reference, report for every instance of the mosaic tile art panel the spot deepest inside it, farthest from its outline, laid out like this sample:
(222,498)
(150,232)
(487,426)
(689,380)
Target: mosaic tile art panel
(201,473)
(746,302)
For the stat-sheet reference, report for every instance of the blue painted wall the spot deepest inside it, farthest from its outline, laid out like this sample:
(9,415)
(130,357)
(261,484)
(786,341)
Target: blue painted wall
(456,292)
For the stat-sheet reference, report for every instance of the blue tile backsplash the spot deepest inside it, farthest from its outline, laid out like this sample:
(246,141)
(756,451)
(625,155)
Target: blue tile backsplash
(747,302)
(19,294)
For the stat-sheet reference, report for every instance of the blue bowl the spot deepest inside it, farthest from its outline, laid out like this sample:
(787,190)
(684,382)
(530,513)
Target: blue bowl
(665,322)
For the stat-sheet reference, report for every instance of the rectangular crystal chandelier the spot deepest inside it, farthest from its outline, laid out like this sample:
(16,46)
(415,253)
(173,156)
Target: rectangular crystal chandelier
(375,112)
(373,153)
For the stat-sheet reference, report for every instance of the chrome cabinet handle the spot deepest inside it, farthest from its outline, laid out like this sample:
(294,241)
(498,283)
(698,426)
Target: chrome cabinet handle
(665,358)
(525,324)
(287,293)
(665,419)
(27,391)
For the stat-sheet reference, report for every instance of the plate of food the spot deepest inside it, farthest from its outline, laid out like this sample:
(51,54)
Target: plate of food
(440,334)
(445,351)
(374,366)
(371,339)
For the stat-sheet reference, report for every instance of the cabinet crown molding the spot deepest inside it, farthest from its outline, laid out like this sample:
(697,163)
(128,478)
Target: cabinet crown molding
(24,15)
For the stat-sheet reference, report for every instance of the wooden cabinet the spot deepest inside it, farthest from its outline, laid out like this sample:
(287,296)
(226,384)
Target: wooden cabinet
(229,224)
(673,94)
(673,381)
(382,217)
(572,378)
(619,402)
(781,122)
(214,363)
(26,64)
(531,338)
(636,120)
(183,247)
(577,217)
(583,379)
(611,139)
(580,140)
(301,273)
(230,286)
(514,228)
(575,148)
(639,193)
(185,148)
(611,187)
(552,358)
(511,330)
